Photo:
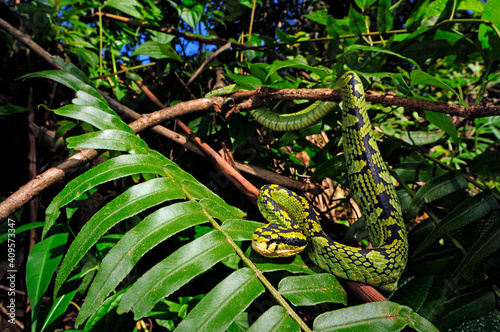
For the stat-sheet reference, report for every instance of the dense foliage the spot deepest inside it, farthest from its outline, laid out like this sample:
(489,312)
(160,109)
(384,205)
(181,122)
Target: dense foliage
(151,236)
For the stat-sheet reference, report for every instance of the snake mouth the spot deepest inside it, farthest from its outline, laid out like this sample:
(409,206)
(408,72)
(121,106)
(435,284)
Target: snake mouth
(272,249)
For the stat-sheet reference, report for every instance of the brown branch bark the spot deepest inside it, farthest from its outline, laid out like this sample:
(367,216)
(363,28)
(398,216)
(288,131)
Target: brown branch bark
(486,108)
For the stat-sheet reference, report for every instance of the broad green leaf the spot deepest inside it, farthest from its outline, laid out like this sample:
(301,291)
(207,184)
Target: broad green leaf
(94,116)
(487,322)
(487,164)
(464,308)
(373,316)
(443,121)
(20,229)
(415,172)
(191,15)
(384,16)
(57,310)
(240,229)
(465,213)
(297,62)
(68,80)
(130,7)
(319,17)
(107,319)
(218,211)
(275,319)
(217,310)
(291,264)
(110,170)
(11,109)
(474,5)
(329,168)
(84,99)
(435,262)
(136,199)
(312,289)
(414,293)
(435,189)
(489,242)
(40,267)
(420,137)
(356,48)
(356,22)
(110,139)
(420,77)
(157,50)
(175,271)
(122,258)
(200,192)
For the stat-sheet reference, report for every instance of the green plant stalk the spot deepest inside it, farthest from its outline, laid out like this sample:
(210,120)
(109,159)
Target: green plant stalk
(256,270)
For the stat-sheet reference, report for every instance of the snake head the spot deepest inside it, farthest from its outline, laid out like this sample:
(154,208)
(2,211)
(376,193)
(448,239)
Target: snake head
(275,240)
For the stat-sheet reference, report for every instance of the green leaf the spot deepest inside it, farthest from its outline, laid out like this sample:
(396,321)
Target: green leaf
(120,260)
(110,170)
(107,319)
(157,50)
(487,164)
(68,80)
(420,137)
(356,22)
(85,99)
(415,172)
(443,121)
(20,229)
(240,229)
(175,271)
(357,48)
(414,293)
(420,77)
(130,7)
(192,15)
(275,319)
(11,109)
(464,308)
(312,289)
(199,192)
(110,139)
(217,310)
(297,62)
(489,242)
(435,189)
(136,199)
(40,267)
(94,116)
(291,264)
(384,16)
(465,213)
(373,316)
(319,17)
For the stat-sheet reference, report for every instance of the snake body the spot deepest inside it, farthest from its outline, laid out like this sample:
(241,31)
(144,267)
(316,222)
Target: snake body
(293,223)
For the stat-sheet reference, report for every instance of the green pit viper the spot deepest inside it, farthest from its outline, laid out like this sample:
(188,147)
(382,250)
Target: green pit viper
(293,223)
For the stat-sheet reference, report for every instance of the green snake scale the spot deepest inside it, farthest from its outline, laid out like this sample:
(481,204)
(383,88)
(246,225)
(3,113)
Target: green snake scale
(293,223)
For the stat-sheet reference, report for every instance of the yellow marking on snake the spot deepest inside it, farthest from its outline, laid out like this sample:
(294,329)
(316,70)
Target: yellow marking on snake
(294,225)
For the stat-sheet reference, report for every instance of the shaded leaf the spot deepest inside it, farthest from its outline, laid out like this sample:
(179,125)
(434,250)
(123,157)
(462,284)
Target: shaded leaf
(435,189)
(381,316)
(275,319)
(40,267)
(469,211)
(218,309)
(312,289)
(109,170)
(175,271)
(131,202)
(122,258)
